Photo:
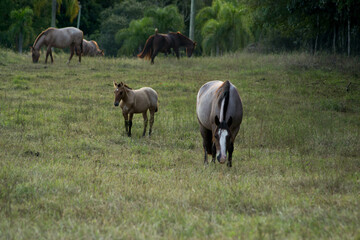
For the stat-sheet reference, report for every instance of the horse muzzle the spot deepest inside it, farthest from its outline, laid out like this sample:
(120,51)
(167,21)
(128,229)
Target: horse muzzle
(116,104)
(221,159)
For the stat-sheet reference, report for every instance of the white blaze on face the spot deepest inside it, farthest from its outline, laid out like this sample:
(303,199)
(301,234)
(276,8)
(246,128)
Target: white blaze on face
(223,133)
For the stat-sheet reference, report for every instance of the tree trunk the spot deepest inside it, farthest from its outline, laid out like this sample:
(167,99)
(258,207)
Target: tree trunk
(79,15)
(348,50)
(317,34)
(334,40)
(53,13)
(192,20)
(20,42)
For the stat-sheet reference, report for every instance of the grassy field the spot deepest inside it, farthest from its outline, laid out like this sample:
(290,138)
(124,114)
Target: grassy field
(68,170)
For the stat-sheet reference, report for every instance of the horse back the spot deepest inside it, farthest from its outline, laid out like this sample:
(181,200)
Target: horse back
(145,98)
(207,106)
(64,37)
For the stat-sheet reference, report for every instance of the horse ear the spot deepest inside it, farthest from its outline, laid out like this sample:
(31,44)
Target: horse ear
(115,84)
(217,122)
(229,122)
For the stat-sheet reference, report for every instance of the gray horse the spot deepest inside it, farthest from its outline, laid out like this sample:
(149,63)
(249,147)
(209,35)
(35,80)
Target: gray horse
(58,38)
(219,112)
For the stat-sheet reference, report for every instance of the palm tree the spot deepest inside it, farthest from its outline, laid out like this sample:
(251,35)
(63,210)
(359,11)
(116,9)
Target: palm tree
(224,27)
(166,19)
(21,27)
(72,9)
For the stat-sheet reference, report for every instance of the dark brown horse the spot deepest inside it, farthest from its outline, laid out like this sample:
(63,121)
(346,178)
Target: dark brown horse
(58,38)
(164,42)
(219,112)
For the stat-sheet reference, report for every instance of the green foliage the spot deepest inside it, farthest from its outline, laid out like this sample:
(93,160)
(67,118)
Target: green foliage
(132,39)
(21,26)
(71,6)
(167,19)
(224,27)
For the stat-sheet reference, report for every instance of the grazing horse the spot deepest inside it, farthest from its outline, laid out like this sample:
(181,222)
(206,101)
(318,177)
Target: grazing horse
(219,112)
(164,42)
(91,48)
(136,101)
(58,38)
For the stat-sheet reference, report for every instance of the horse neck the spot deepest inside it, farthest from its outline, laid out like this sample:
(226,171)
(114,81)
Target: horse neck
(185,41)
(39,42)
(129,95)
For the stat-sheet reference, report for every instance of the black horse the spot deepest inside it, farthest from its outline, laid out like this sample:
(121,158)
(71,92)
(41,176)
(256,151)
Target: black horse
(164,42)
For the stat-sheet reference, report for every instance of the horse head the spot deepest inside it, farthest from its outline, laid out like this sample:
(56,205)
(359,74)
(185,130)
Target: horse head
(35,54)
(190,50)
(222,138)
(120,92)
(99,52)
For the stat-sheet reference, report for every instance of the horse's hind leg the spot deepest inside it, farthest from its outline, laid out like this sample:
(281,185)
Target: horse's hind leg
(78,51)
(154,55)
(48,52)
(145,122)
(152,113)
(72,50)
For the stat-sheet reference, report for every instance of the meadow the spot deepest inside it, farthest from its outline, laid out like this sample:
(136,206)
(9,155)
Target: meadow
(69,171)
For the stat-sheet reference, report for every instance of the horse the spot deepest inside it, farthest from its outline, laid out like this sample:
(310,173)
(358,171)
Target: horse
(219,112)
(58,38)
(164,42)
(90,48)
(136,101)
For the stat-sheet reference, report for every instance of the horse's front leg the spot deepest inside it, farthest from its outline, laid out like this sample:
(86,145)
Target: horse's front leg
(176,50)
(231,149)
(145,122)
(131,114)
(125,114)
(213,152)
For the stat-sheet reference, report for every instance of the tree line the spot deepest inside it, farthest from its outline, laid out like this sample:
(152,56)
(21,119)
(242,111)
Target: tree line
(121,27)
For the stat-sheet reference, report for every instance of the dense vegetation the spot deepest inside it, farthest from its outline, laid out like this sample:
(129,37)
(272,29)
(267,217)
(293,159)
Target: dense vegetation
(122,26)
(68,170)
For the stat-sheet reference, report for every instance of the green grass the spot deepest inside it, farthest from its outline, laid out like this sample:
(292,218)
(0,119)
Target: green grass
(68,170)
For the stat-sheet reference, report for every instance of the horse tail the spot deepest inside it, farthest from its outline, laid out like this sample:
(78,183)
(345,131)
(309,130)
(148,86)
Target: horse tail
(148,49)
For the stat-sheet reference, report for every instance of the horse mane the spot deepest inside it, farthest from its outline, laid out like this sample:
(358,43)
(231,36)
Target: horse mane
(184,37)
(45,32)
(96,45)
(223,92)
(124,85)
